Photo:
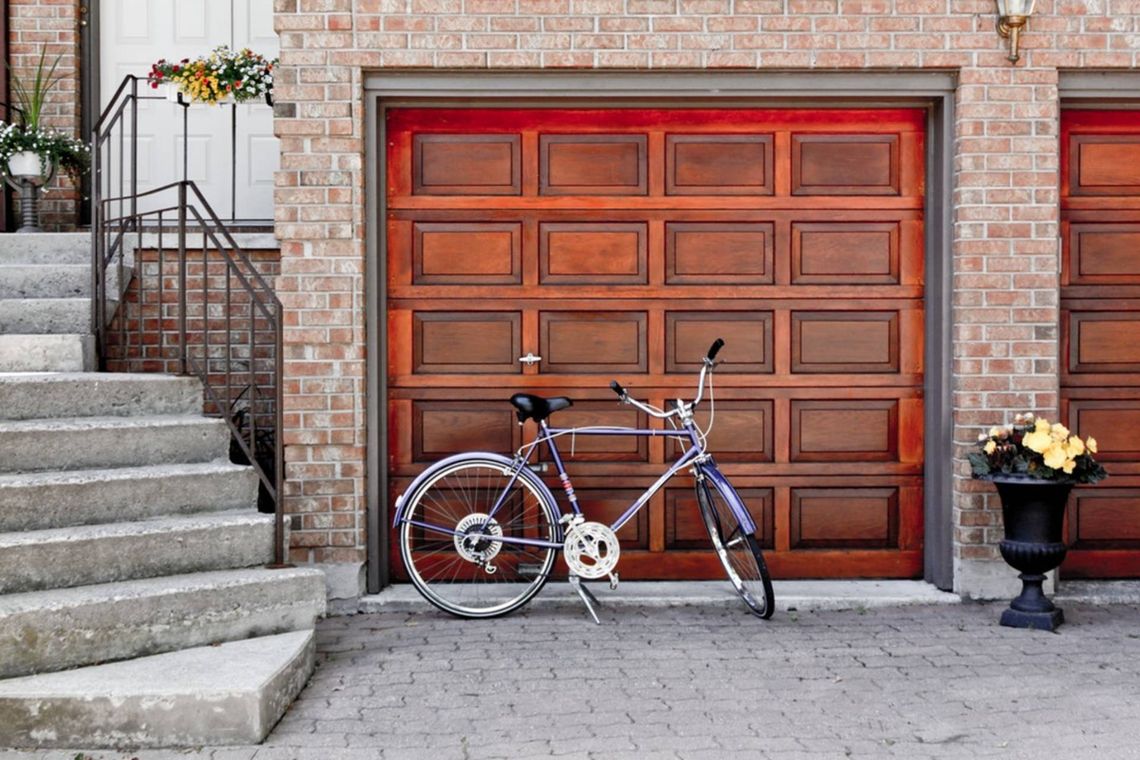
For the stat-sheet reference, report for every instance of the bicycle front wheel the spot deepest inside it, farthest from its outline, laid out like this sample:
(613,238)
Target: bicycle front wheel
(737,550)
(449,538)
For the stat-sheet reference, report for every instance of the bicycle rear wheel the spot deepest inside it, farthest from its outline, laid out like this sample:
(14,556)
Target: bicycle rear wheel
(737,550)
(478,577)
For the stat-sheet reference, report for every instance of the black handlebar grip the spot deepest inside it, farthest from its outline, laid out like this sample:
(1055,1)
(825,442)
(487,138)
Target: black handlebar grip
(717,345)
(615,386)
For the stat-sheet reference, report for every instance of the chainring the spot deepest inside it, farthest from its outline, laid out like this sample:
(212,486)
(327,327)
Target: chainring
(478,550)
(591,550)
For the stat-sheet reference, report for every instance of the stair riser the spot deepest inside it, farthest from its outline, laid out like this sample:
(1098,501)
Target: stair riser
(212,715)
(45,281)
(42,640)
(46,353)
(83,449)
(46,248)
(89,502)
(89,396)
(45,316)
(65,564)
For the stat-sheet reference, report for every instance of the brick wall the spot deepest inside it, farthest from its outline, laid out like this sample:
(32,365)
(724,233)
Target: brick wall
(52,24)
(1005,162)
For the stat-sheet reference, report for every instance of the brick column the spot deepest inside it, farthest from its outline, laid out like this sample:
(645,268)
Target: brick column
(36,25)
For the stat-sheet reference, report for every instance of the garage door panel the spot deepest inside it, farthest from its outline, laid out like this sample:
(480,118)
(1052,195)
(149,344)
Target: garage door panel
(688,335)
(471,164)
(706,164)
(467,253)
(838,517)
(845,342)
(593,253)
(844,430)
(1104,164)
(1104,341)
(586,164)
(845,164)
(635,239)
(845,252)
(1103,254)
(1113,423)
(684,528)
(736,253)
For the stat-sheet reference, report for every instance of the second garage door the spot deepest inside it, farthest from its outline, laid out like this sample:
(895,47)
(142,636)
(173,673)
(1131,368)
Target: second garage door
(618,244)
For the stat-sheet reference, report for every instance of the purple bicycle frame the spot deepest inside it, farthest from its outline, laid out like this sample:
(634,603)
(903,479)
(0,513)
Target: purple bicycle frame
(694,452)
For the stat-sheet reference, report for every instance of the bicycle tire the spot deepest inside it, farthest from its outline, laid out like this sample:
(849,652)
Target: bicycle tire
(451,572)
(739,552)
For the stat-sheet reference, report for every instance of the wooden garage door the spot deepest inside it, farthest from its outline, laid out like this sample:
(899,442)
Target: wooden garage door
(619,244)
(1100,333)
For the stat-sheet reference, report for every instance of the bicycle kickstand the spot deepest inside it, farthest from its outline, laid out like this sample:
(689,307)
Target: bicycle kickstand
(587,596)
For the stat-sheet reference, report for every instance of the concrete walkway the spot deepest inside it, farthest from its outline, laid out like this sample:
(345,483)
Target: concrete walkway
(927,681)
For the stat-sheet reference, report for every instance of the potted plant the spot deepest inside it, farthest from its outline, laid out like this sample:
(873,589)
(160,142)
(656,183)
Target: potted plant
(30,152)
(1034,464)
(242,75)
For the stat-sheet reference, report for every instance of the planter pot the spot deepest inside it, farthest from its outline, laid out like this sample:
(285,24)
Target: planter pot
(1033,512)
(27,165)
(171,92)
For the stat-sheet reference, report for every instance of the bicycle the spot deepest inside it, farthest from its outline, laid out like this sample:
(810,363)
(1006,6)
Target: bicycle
(479,531)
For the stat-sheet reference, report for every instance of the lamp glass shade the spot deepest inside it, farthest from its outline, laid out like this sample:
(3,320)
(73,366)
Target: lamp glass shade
(1015,7)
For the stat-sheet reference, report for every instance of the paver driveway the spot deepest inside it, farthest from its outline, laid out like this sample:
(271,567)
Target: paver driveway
(689,682)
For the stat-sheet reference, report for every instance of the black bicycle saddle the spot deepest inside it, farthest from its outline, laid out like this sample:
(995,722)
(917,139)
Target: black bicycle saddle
(528,406)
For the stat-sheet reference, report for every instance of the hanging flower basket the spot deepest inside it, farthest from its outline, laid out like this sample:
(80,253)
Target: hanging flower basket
(224,74)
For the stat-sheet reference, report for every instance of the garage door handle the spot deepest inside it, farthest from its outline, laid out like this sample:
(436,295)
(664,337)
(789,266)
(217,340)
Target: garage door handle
(530,359)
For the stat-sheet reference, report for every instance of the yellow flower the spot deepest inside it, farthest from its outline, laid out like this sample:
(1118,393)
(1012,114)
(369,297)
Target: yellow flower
(1091,443)
(1043,425)
(1075,447)
(990,447)
(1060,432)
(1055,456)
(995,432)
(1068,466)
(1037,441)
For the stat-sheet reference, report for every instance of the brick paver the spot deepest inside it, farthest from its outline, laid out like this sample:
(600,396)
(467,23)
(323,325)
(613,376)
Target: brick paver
(689,682)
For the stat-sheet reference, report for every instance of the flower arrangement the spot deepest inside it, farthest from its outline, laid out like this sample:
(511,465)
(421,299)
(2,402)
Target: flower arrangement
(1033,447)
(29,134)
(69,154)
(241,74)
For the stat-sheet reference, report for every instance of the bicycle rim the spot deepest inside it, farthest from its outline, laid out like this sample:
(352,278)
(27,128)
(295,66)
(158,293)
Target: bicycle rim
(737,550)
(477,578)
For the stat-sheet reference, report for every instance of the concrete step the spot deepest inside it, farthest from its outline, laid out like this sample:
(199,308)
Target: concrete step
(43,631)
(97,394)
(215,695)
(89,554)
(45,500)
(84,443)
(46,353)
(46,248)
(45,316)
(45,280)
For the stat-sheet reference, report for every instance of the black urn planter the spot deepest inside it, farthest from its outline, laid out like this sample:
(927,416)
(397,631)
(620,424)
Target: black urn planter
(1034,513)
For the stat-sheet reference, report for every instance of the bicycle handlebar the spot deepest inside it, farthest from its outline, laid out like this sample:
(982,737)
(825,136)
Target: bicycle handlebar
(707,365)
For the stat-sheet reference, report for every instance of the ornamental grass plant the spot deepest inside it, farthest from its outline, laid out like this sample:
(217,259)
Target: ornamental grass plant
(1034,448)
(25,130)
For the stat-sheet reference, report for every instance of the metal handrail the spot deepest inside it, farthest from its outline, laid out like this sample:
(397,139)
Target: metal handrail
(230,337)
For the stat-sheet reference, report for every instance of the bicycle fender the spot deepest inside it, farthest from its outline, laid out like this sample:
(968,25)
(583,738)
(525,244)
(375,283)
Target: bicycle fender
(430,471)
(734,501)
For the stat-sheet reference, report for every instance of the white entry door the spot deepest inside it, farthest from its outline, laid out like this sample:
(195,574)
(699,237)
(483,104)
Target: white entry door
(231,161)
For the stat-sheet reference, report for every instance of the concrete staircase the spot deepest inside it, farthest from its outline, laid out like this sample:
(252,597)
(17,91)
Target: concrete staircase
(45,303)
(135,606)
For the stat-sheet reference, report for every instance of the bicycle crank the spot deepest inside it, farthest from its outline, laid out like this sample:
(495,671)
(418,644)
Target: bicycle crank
(591,551)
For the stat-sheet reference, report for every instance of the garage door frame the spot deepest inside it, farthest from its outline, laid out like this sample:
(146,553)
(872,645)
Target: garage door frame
(930,90)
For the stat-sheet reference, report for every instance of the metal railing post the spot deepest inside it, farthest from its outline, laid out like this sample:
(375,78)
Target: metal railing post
(182,355)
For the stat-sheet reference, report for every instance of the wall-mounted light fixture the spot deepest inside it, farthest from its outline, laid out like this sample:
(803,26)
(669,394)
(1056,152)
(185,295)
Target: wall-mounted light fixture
(1012,15)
